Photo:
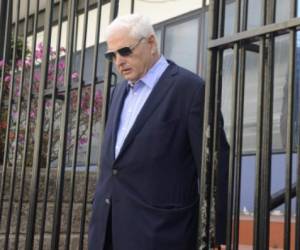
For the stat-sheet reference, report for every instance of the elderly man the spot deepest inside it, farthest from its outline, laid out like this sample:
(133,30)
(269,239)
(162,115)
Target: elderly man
(147,195)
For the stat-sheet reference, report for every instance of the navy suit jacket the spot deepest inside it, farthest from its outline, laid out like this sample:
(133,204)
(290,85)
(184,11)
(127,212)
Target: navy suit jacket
(151,188)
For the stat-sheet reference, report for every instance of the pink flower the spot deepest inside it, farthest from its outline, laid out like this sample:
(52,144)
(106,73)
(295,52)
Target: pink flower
(17,91)
(17,79)
(60,79)
(40,46)
(51,68)
(86,111)
(1,63)
(75,76)
(36,87)
(83,140)
(37,76)
(98,100)
(50,77)
(28,62)
(48,103)
(53,54)
(38,54)
(98,94)
(19,63)
(7,78)
(32,114)
(61,65)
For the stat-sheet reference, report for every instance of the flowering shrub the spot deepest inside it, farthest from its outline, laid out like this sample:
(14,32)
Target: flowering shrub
(22,94)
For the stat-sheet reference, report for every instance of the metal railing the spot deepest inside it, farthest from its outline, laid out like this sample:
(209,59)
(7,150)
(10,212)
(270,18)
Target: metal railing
(42,195)
(264,37)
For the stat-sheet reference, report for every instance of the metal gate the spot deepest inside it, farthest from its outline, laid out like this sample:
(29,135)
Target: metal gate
(51,102)
(261,41)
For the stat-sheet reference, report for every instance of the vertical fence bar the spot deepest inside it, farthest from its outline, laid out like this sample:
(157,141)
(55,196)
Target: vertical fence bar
(51,128)
(216,145)
(232,170)
(6,18)
(79,93)
(132,6)
(238,147)
(266,153)
(267,132)
(289,142)
(221,19)
(239,126)
(6,56)
(17,129)
(114,8)
(25,150)
(259,136)
(3,13)
(297,222)
(39,131)
(216,128)
(207,157)
(297,231)
(55,237)
(289,145)
(7,147)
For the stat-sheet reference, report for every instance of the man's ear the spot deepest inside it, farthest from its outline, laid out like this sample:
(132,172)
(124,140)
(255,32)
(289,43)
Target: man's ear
(152,42)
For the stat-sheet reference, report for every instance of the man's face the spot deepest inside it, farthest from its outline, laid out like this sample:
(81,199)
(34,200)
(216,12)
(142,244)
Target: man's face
(134,66)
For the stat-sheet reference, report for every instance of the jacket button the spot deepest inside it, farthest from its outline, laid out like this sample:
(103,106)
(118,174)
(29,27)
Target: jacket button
(107,201)
(115,171)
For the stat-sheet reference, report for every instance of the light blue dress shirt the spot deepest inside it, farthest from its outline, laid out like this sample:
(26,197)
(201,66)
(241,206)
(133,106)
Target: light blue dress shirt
(136,99)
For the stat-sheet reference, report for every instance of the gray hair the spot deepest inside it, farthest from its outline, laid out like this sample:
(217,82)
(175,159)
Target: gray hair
(138,26)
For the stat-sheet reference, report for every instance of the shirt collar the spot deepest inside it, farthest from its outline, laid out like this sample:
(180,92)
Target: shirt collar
(154,73)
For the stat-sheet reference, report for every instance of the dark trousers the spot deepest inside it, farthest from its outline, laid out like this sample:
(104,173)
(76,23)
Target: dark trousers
(108,245)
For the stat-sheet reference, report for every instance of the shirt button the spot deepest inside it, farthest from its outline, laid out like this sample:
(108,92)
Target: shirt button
(115,171)
(107,201)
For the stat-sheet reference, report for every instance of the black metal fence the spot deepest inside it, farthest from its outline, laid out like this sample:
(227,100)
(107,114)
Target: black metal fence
(51,112)
(260,40)
(49,117)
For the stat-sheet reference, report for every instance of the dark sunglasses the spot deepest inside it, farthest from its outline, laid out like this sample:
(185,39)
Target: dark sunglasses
(125,51)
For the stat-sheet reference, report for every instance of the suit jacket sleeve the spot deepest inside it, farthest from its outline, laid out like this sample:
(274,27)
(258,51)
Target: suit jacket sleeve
(195,123)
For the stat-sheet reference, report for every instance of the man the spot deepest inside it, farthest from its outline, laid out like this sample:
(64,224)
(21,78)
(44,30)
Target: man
(147,195)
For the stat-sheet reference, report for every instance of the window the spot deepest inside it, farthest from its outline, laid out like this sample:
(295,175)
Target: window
(184,40)
(181,43)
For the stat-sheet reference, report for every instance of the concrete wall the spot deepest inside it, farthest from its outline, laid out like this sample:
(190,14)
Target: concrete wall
(77,207)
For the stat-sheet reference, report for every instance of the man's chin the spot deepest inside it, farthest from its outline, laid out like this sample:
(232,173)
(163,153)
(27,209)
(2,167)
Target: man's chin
(129,78)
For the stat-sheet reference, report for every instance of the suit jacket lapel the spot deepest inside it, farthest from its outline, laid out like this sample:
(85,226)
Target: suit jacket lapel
(116,113)
(156,96)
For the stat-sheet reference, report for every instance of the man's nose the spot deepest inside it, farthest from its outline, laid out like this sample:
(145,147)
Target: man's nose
(119,60)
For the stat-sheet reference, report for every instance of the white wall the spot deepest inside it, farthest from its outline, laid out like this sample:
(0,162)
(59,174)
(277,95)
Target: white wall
(157,10)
